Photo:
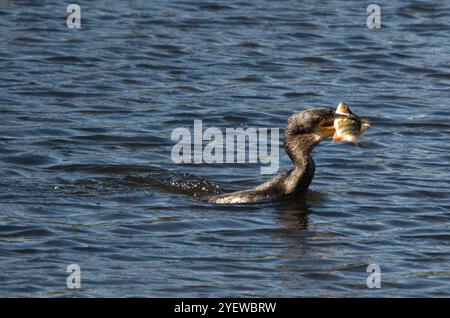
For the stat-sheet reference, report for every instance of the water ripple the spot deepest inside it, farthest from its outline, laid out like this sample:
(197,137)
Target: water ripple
(87,177)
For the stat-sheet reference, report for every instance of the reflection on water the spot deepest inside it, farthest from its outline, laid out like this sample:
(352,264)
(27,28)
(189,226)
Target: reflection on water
(86,176)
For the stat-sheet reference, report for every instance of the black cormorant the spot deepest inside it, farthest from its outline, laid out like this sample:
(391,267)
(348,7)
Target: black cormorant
(303,132)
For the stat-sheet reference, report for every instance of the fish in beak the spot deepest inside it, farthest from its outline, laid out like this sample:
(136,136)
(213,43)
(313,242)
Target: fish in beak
(327,127)
(348,127)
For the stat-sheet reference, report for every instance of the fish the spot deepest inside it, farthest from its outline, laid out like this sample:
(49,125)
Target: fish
(348,126)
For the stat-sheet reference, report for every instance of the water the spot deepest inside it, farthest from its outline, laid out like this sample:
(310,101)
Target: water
(87,178)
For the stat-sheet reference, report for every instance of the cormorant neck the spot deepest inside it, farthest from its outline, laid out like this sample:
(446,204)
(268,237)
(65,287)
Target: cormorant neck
(299,148)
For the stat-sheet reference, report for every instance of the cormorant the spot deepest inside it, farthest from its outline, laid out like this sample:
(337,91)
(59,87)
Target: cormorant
(303,132)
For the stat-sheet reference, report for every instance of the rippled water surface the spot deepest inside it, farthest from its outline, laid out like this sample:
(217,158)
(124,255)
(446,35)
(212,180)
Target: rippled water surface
(85,148)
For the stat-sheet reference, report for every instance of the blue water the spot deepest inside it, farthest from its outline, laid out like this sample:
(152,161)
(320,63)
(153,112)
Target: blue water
(85,148)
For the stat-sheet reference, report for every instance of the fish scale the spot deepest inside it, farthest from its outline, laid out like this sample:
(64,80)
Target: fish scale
(349,128)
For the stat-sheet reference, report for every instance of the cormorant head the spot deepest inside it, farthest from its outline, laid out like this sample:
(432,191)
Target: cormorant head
(317,123)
